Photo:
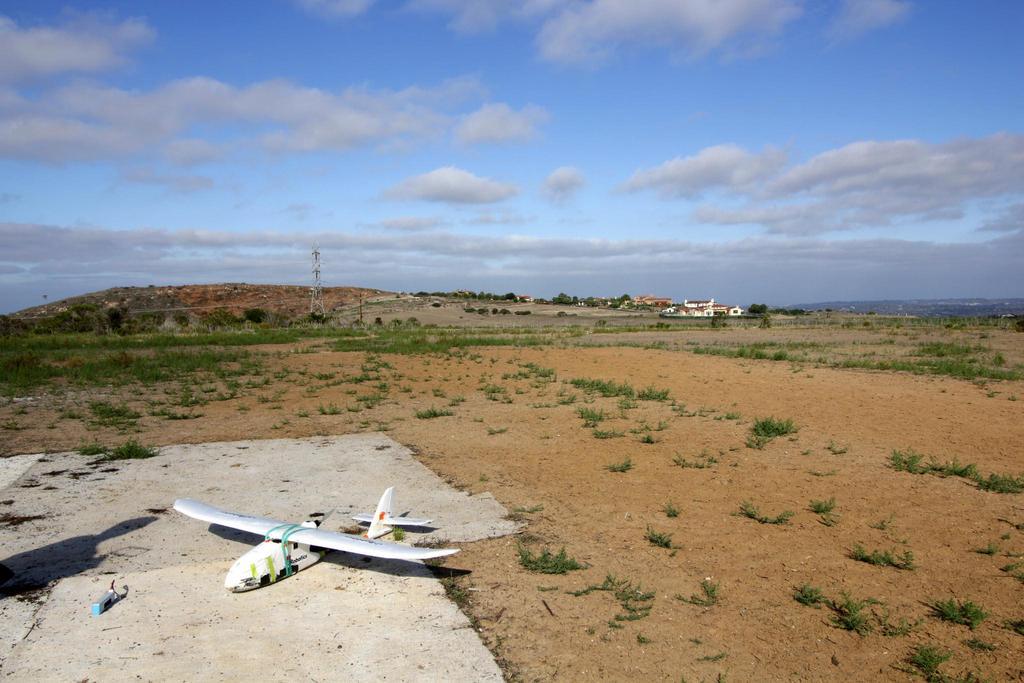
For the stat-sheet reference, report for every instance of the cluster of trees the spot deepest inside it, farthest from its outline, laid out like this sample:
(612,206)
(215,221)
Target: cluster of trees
(117,320)
(482,296)
(762,309)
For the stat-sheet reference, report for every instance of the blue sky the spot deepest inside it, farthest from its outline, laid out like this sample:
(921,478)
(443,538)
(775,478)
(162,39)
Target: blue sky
(750,150)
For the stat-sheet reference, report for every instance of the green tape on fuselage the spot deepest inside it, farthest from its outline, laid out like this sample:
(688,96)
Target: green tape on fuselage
(252,568)
(273,572)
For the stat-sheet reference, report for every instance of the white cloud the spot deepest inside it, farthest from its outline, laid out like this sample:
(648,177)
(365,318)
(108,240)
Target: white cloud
(588,32)
(723,166)
(857,17)
(563,183)
(500,123)
(335,9)
(452,185)
(473,16)
(407,224)
(85,43)
(86,122)
(176,182)
(189,151)
(860,185)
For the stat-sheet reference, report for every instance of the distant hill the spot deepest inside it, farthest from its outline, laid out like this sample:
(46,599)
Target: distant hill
(929,308)
(289,300)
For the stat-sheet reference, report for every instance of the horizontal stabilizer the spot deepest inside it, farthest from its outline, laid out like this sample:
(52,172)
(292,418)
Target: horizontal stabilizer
(394,521)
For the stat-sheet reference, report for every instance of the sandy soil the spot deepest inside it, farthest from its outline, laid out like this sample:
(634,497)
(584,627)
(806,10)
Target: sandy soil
(529,449)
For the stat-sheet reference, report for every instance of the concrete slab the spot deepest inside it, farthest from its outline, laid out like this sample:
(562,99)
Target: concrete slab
(364,620)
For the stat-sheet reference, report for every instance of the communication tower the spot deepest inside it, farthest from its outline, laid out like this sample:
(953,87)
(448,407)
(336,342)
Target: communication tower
(316,299)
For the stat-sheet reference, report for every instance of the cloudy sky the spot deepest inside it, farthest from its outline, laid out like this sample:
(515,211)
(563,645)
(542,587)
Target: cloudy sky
(751,150)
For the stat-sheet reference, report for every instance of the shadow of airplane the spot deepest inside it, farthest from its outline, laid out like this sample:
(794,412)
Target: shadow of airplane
(34,569)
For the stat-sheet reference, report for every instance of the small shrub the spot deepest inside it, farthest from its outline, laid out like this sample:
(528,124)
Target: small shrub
(92,449)
(708,597)
(809,595)
(966,613)
(658,538)
(748,509)
(883,558)
(979,645)
(652,394)
(432,412)
(823,507)
(329,409)
(546,563)
(770,427)
(624,466)
(591,416)
(1001,483)
(849,614)
(927,659)
(670,510)
(131,450)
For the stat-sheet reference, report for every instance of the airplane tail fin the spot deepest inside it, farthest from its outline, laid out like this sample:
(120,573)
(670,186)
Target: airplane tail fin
(377,526)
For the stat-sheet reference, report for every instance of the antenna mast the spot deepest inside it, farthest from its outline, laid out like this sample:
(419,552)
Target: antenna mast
(316,300)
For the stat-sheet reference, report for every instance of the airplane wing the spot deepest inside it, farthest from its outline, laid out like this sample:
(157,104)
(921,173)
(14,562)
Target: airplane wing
(393,521)
(307,536)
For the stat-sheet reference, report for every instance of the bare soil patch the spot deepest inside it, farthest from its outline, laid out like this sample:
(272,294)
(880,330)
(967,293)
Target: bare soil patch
(516,429)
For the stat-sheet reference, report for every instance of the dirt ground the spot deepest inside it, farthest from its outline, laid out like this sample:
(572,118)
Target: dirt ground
(517,433)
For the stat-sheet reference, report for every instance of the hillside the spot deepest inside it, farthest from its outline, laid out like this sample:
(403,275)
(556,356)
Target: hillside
(290,300)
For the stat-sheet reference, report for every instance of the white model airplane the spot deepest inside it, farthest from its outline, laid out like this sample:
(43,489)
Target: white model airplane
(288,548)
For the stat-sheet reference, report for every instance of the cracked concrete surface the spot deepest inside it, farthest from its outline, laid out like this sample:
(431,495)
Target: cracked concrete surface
(347,616)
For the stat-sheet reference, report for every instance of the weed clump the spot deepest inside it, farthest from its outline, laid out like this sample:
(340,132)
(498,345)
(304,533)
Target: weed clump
(709,594)
(432,412)
(927,659)
(624,466)
(658,538)
(748,509)
(966,613)
(809,595)
(131,450)
(546,562)
(849,614)
(910,461)
(635,602)
(883,558)
(767,428)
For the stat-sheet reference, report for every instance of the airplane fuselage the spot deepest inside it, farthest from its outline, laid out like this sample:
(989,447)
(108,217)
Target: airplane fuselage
(267,563)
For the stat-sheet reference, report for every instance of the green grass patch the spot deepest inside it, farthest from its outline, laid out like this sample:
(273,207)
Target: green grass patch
(106,414)
(591,416)
(634,601)
(652,394)
(606,388)
(809,595)
(913,462)
(670,510)
(432,412)
(658,538)
(708,596)
(546,562)
(749,510)
(849,614)
(883,558)
(959,612)
(624,466)
(131,450)
(927,659)
(607,433)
